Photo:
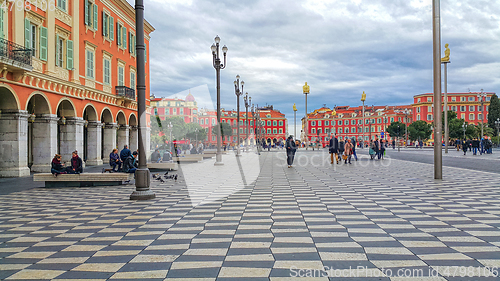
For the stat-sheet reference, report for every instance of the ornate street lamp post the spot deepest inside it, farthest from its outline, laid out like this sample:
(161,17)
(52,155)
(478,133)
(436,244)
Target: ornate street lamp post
(294,121)
(169,126)
(218,66)
(445,61)
(238,93)
(481,96)
(305,90)
(497,124)
(248,101)
(363,98)
(142,174)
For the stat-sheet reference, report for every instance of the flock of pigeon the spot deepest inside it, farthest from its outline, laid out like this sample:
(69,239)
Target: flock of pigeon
(159,178)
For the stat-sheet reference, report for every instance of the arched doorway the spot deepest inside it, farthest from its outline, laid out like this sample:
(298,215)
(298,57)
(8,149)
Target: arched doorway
(122,135)
(108,133)
(92,137)
(70,130)
(42,133)
(134,133)
(13,140)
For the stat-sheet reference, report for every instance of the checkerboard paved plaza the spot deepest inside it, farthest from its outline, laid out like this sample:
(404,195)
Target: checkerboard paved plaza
(310,220)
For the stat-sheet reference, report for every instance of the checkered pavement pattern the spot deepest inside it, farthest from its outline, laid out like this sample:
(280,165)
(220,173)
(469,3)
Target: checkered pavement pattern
(377,215)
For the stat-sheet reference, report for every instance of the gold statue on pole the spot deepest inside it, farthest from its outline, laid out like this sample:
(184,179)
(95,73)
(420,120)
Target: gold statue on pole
(294,107)
(305,89)
(363,96)
(446,57)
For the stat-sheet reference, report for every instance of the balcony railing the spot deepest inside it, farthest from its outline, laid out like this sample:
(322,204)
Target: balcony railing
(15,52)
(125,92)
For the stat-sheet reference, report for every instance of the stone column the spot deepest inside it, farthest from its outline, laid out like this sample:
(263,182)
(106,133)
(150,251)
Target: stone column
(123,136)
(14,143)
(94,143)
(147,145)
(44,142)
(134,138)
(71,138)
(109,140)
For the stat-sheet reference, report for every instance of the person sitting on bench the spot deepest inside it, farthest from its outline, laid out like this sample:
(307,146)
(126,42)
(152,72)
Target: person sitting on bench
(114,160)
(130,164)
(57,167)
(76,164)
(155,156)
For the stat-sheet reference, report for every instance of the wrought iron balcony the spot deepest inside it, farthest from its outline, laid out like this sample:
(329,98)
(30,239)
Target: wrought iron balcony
(125,92)
(14,55)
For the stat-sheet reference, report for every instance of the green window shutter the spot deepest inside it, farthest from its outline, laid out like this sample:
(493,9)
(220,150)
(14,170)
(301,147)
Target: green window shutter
(95,16)
(130,40)
(111,28)
(27,37)
(135,45)
(58,54)
(87,13)
(43,43)
(124,37)
(1,23)
(69,54)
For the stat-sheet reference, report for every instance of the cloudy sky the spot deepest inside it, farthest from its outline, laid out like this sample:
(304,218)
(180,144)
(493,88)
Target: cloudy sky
(340,47)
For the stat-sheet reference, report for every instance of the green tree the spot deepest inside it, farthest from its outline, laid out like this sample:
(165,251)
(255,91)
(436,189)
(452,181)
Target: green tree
(226,130)
(493,111)
(195,132)
(452,115)
(419,130)
(396,129)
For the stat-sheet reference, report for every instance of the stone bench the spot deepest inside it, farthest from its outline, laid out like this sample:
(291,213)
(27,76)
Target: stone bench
(163,166)
(84,179)
(188,158)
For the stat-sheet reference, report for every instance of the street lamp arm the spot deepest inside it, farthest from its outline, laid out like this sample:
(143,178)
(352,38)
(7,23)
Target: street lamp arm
(222,66)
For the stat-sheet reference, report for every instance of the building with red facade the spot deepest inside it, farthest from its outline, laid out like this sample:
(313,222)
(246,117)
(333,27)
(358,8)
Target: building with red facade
(274,125)
(69,76)
(187,108)
(466,105)
(347,122)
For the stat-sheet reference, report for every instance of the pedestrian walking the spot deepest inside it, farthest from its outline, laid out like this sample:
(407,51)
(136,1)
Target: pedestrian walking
(291,147)
(372,150)
(382,149)
(378,147)
(341,148)
(333,148)
(464,146)
(348,147)
(475,146)
(354,149)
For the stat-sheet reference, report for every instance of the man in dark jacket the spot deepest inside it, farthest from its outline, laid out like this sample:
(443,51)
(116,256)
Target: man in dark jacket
(378,147)
(76,164)
(125,153)
(333,148)
(291,147)
(475,146)
(130,164)
(353,141)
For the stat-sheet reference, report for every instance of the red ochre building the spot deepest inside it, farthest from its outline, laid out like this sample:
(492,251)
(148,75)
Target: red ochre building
(67,82)
(274,125)
(347,122)
(186,108)
(466,105)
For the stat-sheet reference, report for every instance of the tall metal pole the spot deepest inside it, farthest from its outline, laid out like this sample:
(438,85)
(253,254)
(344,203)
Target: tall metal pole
(363,98)
(218,66)
(436,30)
(248,100)
(446,133)
(142,174)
